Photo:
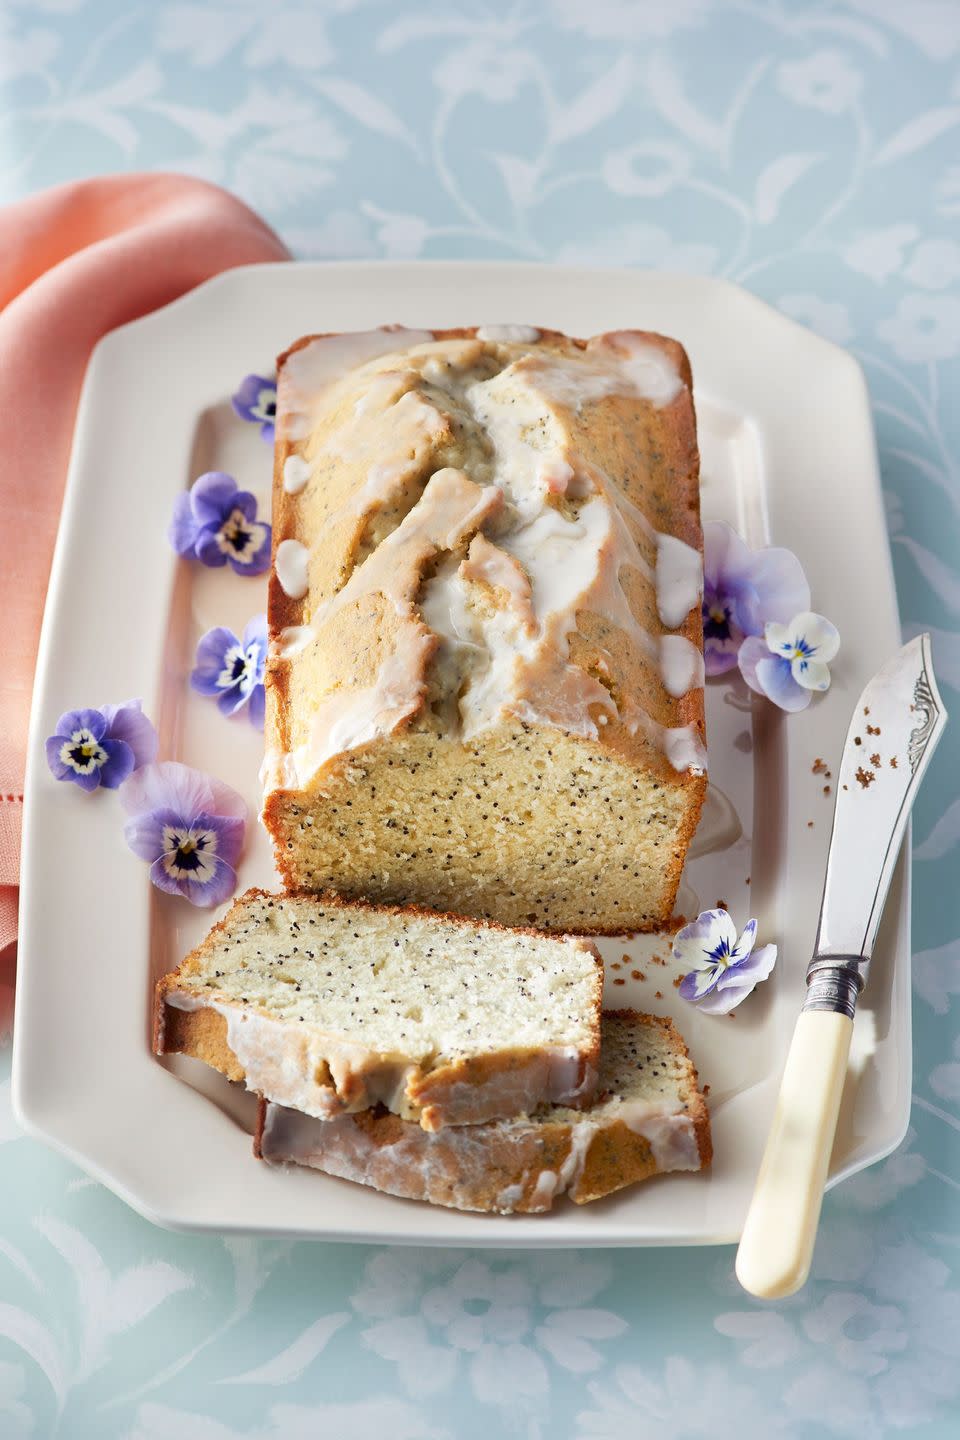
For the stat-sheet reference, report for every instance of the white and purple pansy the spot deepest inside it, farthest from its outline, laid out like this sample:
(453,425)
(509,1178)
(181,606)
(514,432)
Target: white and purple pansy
(189,828)
(256,401)
(721,966)
(231,669)
(101,747)
(216,522)
(791,662)
(743,589)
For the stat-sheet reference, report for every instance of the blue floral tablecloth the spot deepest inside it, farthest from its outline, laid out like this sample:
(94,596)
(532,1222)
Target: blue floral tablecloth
(809,151)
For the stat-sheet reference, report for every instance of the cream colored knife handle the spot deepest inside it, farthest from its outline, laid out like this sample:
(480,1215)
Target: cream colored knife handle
(781,1226)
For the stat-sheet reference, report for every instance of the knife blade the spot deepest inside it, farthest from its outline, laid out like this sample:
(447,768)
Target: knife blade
(893,733)
(896,726)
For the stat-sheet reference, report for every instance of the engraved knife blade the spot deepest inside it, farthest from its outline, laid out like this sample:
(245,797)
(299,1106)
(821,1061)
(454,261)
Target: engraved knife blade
(895,729)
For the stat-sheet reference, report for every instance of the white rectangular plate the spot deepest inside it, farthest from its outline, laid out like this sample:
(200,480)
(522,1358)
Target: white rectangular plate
(788,458)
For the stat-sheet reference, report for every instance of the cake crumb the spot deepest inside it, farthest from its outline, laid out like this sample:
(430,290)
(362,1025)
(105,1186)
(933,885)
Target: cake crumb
(721,905)
(625,959)
(875,760)
(619,981)
(706,1091)
(637,975)
(810,822)
(873,729)
(826,789)
(893,762)
(658,960)
(747,881)
(866,777)
(844,787)
(857,740)
(657,995)
(677,981)
(819,767)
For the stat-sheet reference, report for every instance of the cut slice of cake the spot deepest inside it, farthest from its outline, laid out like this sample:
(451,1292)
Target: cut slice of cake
(649,1118)
(331,1007)
(485,685)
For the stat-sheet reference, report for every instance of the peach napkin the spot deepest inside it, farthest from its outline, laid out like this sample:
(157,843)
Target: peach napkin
(75,262)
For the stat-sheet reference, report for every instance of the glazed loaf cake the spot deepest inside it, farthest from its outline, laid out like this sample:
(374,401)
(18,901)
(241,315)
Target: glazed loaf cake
(485,685)
(333,1007)
(649,1118)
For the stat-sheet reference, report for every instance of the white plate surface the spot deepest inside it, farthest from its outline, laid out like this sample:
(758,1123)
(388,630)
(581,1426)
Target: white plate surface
(788,458)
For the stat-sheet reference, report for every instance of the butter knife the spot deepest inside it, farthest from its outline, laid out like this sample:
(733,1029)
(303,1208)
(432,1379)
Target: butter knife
(895,729)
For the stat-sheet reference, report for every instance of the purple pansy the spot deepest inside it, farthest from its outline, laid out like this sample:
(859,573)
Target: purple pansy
(101,747)
(232,669)
(791,661)
(742,590)
(722,967)
(189,828)
(256,401)
(216,522)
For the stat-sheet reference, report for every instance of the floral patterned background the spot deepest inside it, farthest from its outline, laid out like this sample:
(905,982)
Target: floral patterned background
(806,150)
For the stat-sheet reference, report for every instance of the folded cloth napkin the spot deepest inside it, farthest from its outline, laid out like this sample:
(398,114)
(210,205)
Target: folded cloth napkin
(75,262)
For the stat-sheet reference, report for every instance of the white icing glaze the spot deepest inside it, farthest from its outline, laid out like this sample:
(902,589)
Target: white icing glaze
(296,473)
(291,565)
(509,334)
(281,1062)
(668,1130)
(454,1167)
(310,372)
(616,364)
(547,563)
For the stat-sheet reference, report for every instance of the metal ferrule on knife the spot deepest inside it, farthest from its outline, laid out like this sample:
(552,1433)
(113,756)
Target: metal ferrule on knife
(834,983)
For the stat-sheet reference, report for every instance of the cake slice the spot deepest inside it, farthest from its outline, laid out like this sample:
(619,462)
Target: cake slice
(332,1007)
(649,1118)
(485,684)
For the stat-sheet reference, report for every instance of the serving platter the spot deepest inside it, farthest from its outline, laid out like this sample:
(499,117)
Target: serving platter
(788,457)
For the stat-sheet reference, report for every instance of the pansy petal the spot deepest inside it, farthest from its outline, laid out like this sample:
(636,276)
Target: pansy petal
(810,674)
(698,983)
(776,681)
(268,431)
(255,632)
(208,550)
(212,497)
(246,504)
(737,982)
(694,946)
(169,785)
(725,556)
(229,832)
(756,967)
(143,832)
(822,637)
(248,394)
(87,782)
(183,529)
(259,559)
(212,650)
(214,891)
(719,657)
(746,942)
(127,722)
(59,769)
(72,720)
(118,765)
(752,652)
(257,706)
(780,639)
(778,581)
(232,700)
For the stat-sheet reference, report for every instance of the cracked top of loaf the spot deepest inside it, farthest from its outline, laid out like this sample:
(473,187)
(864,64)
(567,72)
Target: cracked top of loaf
(479,527)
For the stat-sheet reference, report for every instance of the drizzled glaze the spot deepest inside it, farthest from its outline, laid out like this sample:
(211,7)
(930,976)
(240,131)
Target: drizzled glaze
(509,334)
(555,541)
(291,564)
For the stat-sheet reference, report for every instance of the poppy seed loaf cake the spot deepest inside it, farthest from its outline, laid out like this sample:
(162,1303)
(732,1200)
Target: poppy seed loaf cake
(485,686)
(333,1007)
(649,1118)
